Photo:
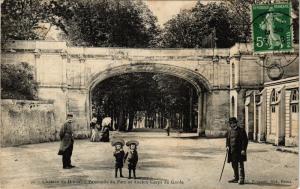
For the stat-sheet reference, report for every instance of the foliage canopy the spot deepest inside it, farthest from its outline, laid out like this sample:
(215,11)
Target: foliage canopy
(17,82)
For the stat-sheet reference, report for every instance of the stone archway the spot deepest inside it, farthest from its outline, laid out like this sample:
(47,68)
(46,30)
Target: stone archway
(75,70)
(199,82)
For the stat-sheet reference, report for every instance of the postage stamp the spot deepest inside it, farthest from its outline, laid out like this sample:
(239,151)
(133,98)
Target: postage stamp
(272,29)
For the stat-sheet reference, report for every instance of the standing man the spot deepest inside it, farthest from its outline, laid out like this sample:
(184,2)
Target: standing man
(66,144)
(236,144)
(167,128)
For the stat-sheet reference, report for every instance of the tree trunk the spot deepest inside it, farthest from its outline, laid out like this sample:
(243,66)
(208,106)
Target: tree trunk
(112,119)
(121,120)
(131,118)
(185,121)
(180,120)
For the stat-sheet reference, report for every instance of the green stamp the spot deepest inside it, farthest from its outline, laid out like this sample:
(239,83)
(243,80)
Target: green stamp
(272,29)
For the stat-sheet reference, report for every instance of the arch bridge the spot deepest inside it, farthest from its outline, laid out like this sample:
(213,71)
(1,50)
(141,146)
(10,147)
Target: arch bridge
(67,75)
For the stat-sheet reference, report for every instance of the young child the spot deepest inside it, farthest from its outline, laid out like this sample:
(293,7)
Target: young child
(119,155)
(132,157)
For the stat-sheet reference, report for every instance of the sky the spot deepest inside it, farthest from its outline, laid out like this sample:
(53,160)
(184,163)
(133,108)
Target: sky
(164,10)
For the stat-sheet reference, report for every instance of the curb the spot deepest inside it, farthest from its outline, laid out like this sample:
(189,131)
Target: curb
(294,151)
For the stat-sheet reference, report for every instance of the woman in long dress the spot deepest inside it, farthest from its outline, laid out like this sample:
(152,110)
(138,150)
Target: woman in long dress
(93,127)
(106,122)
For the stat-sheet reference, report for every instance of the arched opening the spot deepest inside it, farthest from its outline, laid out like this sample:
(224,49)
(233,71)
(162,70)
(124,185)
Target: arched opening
(197,87)
(146,101)
(274,111)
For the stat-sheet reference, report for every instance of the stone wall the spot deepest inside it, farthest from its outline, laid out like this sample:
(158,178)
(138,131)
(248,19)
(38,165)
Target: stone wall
(76,70)
(217,113)
(27,122)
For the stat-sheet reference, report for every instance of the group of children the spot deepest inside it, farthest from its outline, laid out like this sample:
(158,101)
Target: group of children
(131,156)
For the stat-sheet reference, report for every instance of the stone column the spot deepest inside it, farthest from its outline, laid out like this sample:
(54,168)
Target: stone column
(64,68)
(202,112)
(200,129)
(263,113)
(190,108)
(255,128)
(281,118)
(37,55)
(77,104)
(82,61)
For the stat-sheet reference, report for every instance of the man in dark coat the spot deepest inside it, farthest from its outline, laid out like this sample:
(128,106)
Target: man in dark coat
(236,144)
(66,144)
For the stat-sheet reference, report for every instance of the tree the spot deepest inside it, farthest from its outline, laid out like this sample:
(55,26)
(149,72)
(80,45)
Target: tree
(229,22)
(20,19)
(106,23)
(125,95)
(96,23)
(181,31)
(17,81)
(190,27)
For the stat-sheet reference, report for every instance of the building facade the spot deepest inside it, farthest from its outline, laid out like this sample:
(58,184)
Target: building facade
(264,96)
(272,115)
(260,90)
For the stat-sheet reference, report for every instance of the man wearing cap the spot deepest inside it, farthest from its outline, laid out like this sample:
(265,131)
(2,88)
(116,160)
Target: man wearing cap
(66,144)
(236,144)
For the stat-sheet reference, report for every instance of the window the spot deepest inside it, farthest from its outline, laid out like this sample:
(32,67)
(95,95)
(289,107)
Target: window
(274,96)
(273,109)
(233,74)
(257,98)
(294,115)
(294,101)
(295,95)
(294,108)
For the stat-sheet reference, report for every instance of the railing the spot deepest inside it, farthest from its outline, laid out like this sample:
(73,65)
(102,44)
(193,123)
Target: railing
(27,45)
(116,51)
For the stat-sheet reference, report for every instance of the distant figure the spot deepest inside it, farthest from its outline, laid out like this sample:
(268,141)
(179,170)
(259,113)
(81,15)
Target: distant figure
(119,155)
(104,136)
(236,144)
(132,157)
(94,128)
(67,141)
(167,128)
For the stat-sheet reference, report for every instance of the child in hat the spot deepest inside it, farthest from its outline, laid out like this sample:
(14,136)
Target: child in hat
(132,157)
(119,155)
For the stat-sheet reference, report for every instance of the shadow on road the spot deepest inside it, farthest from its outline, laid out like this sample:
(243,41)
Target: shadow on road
(267,183)
(149,178)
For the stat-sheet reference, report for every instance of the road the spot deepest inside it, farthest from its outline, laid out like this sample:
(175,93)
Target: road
(178,161)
